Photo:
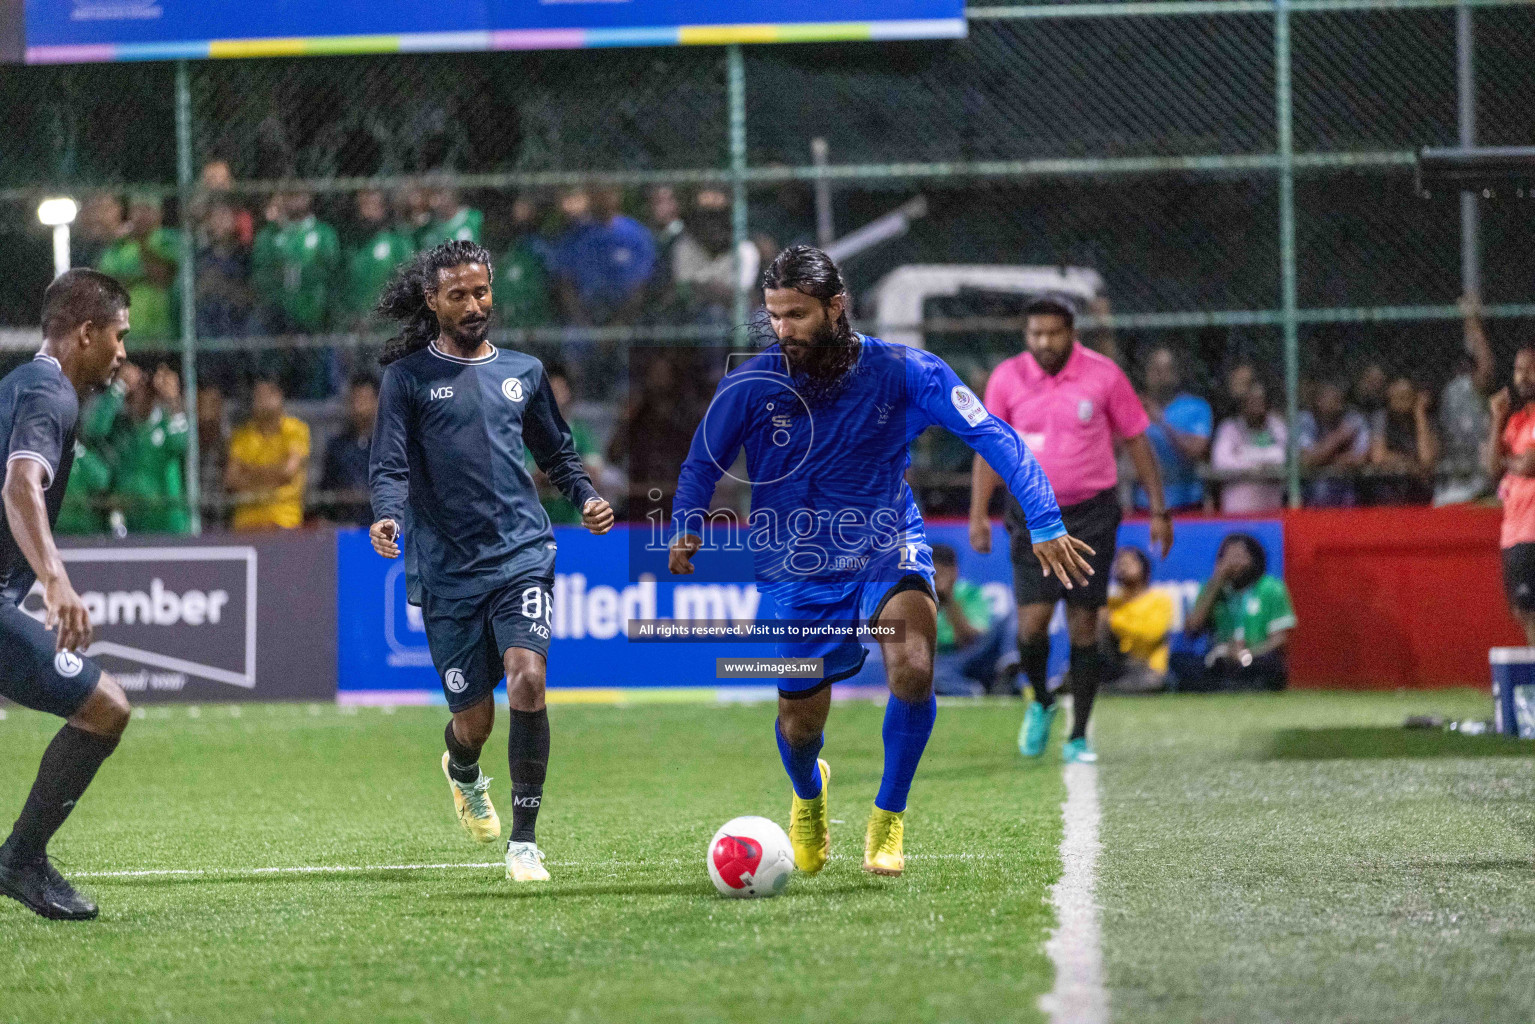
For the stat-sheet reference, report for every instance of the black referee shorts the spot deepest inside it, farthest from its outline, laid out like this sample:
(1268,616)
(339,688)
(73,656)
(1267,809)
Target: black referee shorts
(1095,521)
(1519,576)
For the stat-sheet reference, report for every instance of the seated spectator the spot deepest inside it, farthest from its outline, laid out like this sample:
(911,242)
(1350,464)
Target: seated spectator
(1239,378)
(144,260)
(559,507)
(344,477)
(603,261)
(1248,612)
(147,449)
(1464,418)
(1251,442)
(522,275)
(1403,446)
(704,262)
(1370,390)
(212,443)
(377,248)
(450,219)
(1334,442)
(970,644)
(294,266)
(268,459)
(671,232)
(87,495)
(1180,430)
(1135,625)
(224,298)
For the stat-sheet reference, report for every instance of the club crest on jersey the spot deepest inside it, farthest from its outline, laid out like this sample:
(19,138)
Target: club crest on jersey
(68,664)
(967,405)
(1085,409)
(455,681)
(512,389)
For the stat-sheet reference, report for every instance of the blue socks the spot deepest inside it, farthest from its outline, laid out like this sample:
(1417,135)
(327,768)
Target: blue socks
(800,763)
(907,727)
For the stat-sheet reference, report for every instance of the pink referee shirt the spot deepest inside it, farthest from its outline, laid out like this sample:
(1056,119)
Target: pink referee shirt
(1071,420)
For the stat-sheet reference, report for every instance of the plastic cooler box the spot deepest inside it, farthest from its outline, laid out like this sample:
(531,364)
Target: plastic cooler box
(1513,691)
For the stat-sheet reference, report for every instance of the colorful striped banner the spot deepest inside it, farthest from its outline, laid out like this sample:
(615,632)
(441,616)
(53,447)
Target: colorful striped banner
(514,39)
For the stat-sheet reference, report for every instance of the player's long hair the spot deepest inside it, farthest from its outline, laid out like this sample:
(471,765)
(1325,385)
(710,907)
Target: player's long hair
(809,270)
(404,297)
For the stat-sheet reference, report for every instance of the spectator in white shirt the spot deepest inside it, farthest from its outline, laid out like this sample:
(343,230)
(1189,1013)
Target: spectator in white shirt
(1253,440)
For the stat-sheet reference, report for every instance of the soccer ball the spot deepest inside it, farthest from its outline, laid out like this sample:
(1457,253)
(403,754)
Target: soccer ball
(749,857)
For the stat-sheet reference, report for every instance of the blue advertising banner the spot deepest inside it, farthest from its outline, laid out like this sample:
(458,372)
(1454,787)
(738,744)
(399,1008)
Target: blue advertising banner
(87,30)
(382,645)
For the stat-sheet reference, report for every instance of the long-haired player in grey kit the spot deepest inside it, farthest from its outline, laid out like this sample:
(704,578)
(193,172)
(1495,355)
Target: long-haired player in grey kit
(85,316)
(447,477)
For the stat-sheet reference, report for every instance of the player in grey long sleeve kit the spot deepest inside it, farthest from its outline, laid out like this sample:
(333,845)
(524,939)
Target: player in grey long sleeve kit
(455,414)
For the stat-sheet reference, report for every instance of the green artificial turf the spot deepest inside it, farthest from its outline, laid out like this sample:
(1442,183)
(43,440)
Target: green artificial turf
(630,930)
(1300,857)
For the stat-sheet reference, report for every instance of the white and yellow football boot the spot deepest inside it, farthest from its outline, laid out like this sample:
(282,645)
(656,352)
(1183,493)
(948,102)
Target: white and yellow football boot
(525,863)
(882,845)
(472,804)
(810,827)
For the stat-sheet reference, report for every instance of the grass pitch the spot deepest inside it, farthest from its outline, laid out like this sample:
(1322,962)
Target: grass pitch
(631,928)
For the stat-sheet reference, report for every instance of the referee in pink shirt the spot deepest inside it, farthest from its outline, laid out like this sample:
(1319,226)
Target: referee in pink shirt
(1070,404)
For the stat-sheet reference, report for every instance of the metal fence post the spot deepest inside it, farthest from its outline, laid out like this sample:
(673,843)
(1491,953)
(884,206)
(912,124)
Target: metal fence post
(1284,113)
(736,76)
(1470,212)
(187,274)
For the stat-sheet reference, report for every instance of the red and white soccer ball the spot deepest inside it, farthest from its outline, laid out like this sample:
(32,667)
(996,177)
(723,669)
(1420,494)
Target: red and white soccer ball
(750,857)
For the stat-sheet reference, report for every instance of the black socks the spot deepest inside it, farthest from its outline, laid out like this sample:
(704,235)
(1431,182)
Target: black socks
(68,766)
(1086,675)
(527,750)
(463,761)
(1034,659)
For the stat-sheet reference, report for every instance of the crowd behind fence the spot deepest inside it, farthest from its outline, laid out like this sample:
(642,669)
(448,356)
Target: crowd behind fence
(1237,174)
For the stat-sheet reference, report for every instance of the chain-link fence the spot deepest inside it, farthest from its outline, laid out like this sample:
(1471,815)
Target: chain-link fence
(1188,152)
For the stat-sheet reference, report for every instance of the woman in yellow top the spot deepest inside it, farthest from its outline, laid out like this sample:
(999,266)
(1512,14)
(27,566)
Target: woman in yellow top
(1136,625)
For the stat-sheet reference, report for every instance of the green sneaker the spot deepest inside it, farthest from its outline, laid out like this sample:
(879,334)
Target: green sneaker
(1037,721)
(1079,752)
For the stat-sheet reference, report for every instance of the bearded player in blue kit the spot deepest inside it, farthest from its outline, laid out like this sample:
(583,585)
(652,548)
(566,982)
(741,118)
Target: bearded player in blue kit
(447,477)
(826,417)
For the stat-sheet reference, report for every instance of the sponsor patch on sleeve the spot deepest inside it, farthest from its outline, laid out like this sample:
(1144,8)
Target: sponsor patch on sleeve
(967,405)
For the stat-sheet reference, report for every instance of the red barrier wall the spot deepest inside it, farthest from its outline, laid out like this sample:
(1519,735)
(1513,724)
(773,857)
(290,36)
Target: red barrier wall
(1387,598)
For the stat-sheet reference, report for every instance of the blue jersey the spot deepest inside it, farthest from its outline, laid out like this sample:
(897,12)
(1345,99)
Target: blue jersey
(447,466)
(38,412)
(830,502)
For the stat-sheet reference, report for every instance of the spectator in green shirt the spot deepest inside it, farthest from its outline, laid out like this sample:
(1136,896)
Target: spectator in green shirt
(295,265)
(144,260)
(84,510)
(970,644)
(142,427)
(1249,615)
(379,248)
(451,220)
(522,275)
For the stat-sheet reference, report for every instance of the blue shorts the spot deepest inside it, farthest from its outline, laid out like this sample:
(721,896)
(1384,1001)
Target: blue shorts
(34,674)
(469,636)
(862,603)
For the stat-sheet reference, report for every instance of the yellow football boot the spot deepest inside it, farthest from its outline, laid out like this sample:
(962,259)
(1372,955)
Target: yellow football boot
(810,827)
(882,853)
(473,806)
(525,863)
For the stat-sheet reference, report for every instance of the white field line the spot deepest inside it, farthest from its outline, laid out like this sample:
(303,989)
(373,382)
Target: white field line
(343,869)
(1076,945)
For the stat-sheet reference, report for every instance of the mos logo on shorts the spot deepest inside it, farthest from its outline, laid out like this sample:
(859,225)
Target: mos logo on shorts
(68,664)
(512,389)
(455,681)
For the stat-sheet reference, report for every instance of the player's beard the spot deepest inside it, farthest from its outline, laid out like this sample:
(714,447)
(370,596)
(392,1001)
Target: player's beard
(470,334)
(821,374)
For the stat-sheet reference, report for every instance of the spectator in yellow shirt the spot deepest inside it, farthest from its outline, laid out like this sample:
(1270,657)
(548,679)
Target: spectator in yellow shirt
(268,462)
(1136,624)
